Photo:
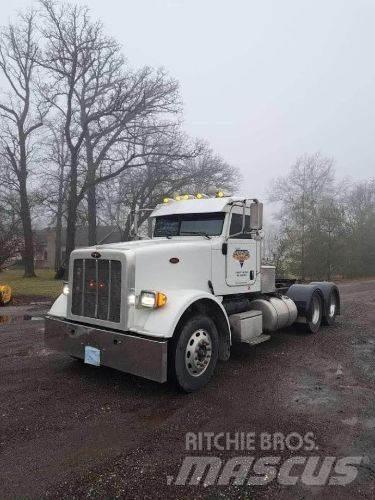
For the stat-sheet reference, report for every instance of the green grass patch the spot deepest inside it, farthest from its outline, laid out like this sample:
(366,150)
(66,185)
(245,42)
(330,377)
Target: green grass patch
(44,285)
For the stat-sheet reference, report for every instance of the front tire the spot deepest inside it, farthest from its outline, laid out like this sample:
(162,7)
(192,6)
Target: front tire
(194,353)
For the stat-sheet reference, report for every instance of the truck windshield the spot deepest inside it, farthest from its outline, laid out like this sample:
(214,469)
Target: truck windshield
(210,224)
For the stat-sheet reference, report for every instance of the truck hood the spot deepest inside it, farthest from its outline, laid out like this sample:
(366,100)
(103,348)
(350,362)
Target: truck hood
(164,243)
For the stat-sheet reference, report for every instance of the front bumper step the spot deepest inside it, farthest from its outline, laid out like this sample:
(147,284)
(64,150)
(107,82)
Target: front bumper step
(126,352)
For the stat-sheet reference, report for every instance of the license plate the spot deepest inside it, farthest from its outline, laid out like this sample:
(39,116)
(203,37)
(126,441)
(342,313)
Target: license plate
(92,355)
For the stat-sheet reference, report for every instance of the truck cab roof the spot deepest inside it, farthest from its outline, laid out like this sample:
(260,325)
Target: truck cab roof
(195,206)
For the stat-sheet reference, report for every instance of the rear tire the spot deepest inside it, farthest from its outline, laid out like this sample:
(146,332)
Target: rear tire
(331,311)
(315,313)
(194,353)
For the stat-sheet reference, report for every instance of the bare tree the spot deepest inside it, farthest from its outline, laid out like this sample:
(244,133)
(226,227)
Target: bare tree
(125,131)
(144,187)
(54,180)
(70,37)
(325,248)
(21,115)
(310,179)
(11,243)
(107,113)
(274,248)
(359,257)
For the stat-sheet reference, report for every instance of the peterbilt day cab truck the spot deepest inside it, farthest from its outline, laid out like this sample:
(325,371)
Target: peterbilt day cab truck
(172,306)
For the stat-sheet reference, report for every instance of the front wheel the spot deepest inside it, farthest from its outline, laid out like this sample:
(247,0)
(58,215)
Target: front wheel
(194,353)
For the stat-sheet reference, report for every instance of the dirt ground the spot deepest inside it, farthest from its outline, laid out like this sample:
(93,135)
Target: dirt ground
(71,430)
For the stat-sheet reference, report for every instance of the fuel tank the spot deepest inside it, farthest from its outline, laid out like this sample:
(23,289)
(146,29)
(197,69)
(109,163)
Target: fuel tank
(277,312)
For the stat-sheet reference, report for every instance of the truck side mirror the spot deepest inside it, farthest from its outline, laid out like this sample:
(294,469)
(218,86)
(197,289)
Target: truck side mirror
(256,216)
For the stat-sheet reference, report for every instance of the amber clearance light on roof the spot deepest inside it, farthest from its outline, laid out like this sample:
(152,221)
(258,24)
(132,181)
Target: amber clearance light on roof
(198,196)
(181,197)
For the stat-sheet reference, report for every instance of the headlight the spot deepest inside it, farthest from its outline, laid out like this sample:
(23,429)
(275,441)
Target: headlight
(152,300)
(66,289)
(131,297)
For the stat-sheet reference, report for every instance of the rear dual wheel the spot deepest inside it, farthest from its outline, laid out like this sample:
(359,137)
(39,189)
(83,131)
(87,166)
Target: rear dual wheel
(332,309)
(315,314)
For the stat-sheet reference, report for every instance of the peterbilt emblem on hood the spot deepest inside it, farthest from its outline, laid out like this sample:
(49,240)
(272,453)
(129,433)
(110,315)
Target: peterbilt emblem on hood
(96,255)
(241,255)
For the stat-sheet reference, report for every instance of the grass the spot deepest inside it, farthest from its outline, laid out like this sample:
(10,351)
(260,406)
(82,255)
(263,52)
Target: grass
(44,285)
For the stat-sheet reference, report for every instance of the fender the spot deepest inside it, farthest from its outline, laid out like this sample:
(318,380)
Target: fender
(163,322)
(302,295)
(155,322)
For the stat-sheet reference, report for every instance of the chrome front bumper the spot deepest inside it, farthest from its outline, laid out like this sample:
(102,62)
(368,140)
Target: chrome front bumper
(126,352)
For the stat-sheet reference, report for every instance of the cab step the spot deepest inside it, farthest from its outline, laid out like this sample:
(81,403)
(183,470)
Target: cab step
(259,339)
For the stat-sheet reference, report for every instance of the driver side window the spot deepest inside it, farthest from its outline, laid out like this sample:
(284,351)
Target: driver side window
(236,226)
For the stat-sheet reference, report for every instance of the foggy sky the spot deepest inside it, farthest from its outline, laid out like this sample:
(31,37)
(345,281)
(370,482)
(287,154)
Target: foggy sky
(263,81)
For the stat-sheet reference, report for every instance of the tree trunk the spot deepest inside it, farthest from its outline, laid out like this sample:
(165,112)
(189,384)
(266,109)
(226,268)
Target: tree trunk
(58,231)
(91,192)
(125,231)
(70,234)
(28,251)
(59,217)
(303,257)
(71,230)
(303,227)
(329,266)
(72,213)
(91,205)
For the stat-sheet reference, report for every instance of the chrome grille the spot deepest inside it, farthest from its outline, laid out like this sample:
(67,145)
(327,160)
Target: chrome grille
(96,290)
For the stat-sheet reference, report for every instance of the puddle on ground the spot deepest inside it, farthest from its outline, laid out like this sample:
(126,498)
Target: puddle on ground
(6,320)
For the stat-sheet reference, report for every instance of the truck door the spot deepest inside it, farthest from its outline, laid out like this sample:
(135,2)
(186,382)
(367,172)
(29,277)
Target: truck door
(241,255)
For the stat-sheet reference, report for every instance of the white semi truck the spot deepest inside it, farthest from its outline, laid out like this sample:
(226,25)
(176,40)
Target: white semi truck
(172,306)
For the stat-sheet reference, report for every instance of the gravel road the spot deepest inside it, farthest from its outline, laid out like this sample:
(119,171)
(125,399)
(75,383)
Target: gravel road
(71,430)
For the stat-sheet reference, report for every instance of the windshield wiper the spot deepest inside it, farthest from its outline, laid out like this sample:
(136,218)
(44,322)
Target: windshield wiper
(196,233)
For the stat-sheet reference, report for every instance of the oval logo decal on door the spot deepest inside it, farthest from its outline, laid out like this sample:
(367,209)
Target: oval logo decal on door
(174,260)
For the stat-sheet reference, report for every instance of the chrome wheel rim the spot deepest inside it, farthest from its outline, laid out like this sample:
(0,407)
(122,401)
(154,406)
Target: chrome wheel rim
(198,352)
(316,310)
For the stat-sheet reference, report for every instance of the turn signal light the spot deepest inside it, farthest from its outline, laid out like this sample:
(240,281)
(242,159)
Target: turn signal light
(161,299)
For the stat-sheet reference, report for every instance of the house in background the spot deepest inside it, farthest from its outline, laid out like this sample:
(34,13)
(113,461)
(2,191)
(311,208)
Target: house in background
(45,243)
